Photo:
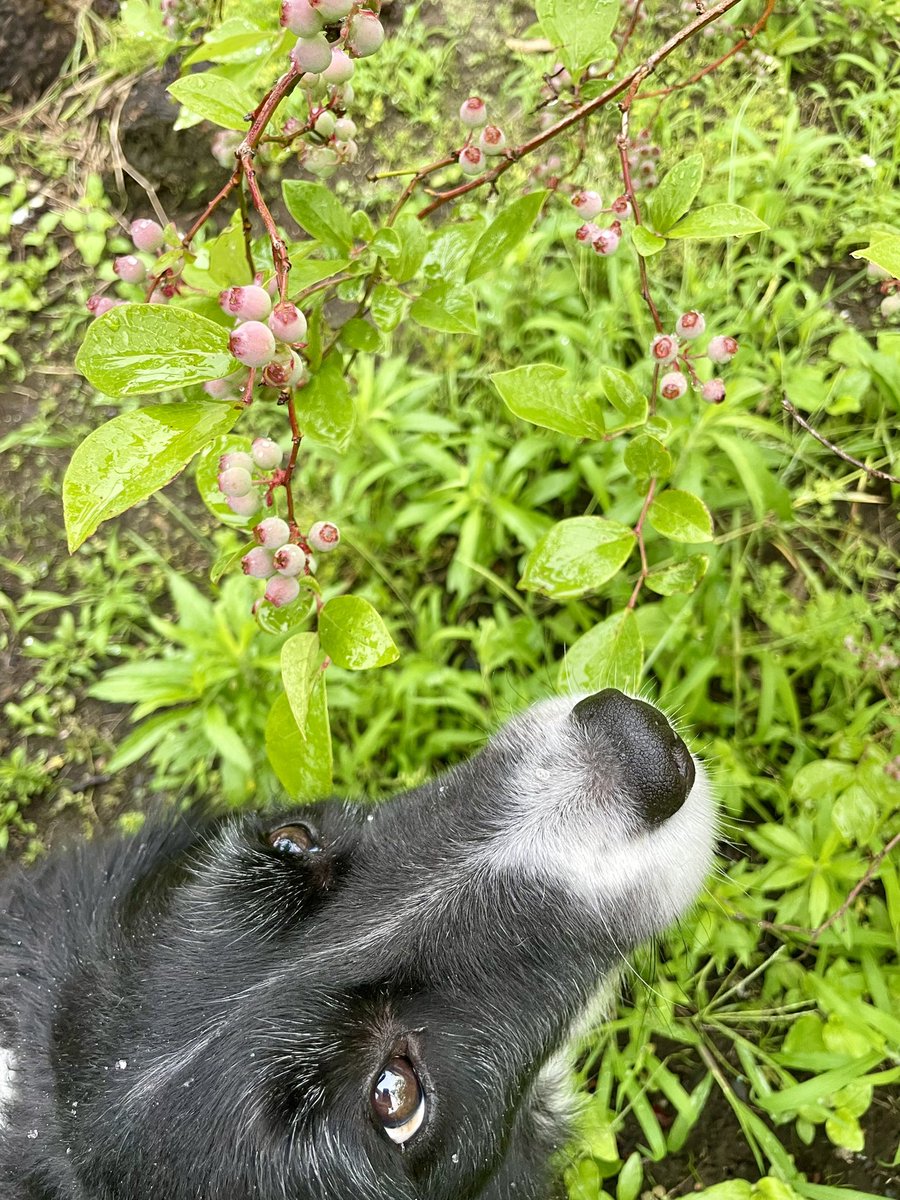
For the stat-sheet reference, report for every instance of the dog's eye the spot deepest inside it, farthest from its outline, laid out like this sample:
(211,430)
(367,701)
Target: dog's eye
(398,1100)
(292,839)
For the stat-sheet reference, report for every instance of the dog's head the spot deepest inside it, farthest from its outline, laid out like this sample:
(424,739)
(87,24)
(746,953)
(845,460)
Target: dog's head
(356,1001)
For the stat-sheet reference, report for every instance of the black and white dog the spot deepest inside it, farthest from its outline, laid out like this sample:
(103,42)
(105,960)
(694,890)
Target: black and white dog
(343,1002)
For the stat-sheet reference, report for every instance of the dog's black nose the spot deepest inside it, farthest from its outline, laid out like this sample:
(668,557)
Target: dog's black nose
(657,767)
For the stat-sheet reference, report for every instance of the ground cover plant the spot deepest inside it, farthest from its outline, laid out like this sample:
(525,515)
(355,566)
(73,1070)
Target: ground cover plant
(585,382)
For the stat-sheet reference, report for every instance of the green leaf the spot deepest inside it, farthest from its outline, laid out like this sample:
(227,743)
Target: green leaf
(360,335)
(504,233)
(645,242)
(301,666)
(624,395)
(225,739)
(680,578)
(413,244)
(315,209)
(387,306)
(132,456)
(822,780)
(765,493)
(447,309)
(855,815)
(325,409)
(387,244)
(576,556)
(719,220)
(884,252)
(302,761)
(609,655)
(680,516)
(843,1129)
(579,29)
(676,192)
(139,348)
(228,258)
(215,98)
(306,270)
(541,393)
(354,635)
(646,458)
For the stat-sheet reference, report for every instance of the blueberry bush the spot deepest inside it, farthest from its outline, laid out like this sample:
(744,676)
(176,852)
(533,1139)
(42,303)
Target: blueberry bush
(513,349)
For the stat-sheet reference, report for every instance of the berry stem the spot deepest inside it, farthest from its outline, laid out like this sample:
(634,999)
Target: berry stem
(628,34)
(639,534)
(296,439)
(247,228)
(628,185)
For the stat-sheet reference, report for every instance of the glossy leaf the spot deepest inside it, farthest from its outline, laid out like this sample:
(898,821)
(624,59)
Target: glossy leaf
(504,233)
(576,556)
(609,655)
(676,192)
(360,335)
(413,245)
(646,457)
(680,578)
(387,244)
(543,394)
(719,220)
(315,209)
(680,516)
(624,395)
(645,242)
(302,761)
(447,309)
(135,349)
(387,306)
(884,252)
(215,98)
(132,456)
(301,665)
(581,30)
(325,409)
(354,635)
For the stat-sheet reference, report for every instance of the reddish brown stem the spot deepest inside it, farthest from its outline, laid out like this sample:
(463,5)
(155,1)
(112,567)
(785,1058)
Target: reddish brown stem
(628,184)
(639,534)
(296,438)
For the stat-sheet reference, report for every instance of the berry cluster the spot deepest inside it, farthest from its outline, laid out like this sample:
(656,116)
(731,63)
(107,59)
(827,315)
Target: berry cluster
(642,158)
(149,240)
(283,555)
(244,494)
(603,240)
(490,142)
(666,350)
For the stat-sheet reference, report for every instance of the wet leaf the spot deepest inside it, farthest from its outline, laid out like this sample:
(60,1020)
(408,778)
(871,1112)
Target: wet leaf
(354,635)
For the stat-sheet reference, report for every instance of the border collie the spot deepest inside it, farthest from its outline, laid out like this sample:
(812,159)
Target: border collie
(343,1001)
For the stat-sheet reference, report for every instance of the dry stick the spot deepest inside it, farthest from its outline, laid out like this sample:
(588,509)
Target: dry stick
(801,420)
(636,76)
(627,35)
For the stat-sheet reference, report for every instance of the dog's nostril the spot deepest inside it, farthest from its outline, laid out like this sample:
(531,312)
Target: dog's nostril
(657,768)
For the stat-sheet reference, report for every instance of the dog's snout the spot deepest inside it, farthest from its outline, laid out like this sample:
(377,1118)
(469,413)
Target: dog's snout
(657,767)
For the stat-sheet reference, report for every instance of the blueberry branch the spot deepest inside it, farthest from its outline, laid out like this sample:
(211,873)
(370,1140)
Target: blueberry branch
(628,185)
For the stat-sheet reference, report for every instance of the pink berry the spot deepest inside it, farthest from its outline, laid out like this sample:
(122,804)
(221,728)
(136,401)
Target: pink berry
(249,303)
(147,235)
(587,204)
(713,391)
(222,389)
(331,10)
(300,18)
(690,325)
(266,453)
(282,590)
(258,563)
(286,371)
(235,482)
(236,458)
(244,506)
(722,349)
(340,69)
(253,344)
(890,305)
(672,385)
(289,560)
(606,241)
(492,140)
(471,159)
(129,269)
(365,33)
(621,206)
(97,305)
(287,322)
(587,233)
(272,532)
(323,536)
(312,54)
(664,348)
(344,129)
(473,112)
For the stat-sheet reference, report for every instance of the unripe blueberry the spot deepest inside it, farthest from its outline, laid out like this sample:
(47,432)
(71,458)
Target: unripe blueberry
(253,344)
(471,159)
(664,348)
(690,325)
(258,563)
(587,204)
(248,303)
(97,305)
(311,54)
(722,349)
(289,560)
(890,305)
(244,506)
(323,536)
(221,389)
(364,34)
(492,140)
(320,160)
(587,233)
(473,112)
(281,590)
(325,123)
(300,18)
(287,322)
(266,453)
(713,391)
(235,482)
(332,10)
(347,151)
(672,385)
(606,241)
(147,235)
(345,95)
(272,532)
(286,371)
(310,81)
(621,206)
(340,69)
(236,458)
(129,269)
(873,271)
(344,129)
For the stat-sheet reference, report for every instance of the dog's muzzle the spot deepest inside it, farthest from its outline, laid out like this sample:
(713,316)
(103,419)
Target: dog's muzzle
(657,768)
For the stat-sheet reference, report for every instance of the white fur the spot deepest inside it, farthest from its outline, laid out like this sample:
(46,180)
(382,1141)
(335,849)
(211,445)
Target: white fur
(7,1084)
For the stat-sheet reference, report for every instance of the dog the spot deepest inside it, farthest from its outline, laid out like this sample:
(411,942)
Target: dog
(344,1001)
